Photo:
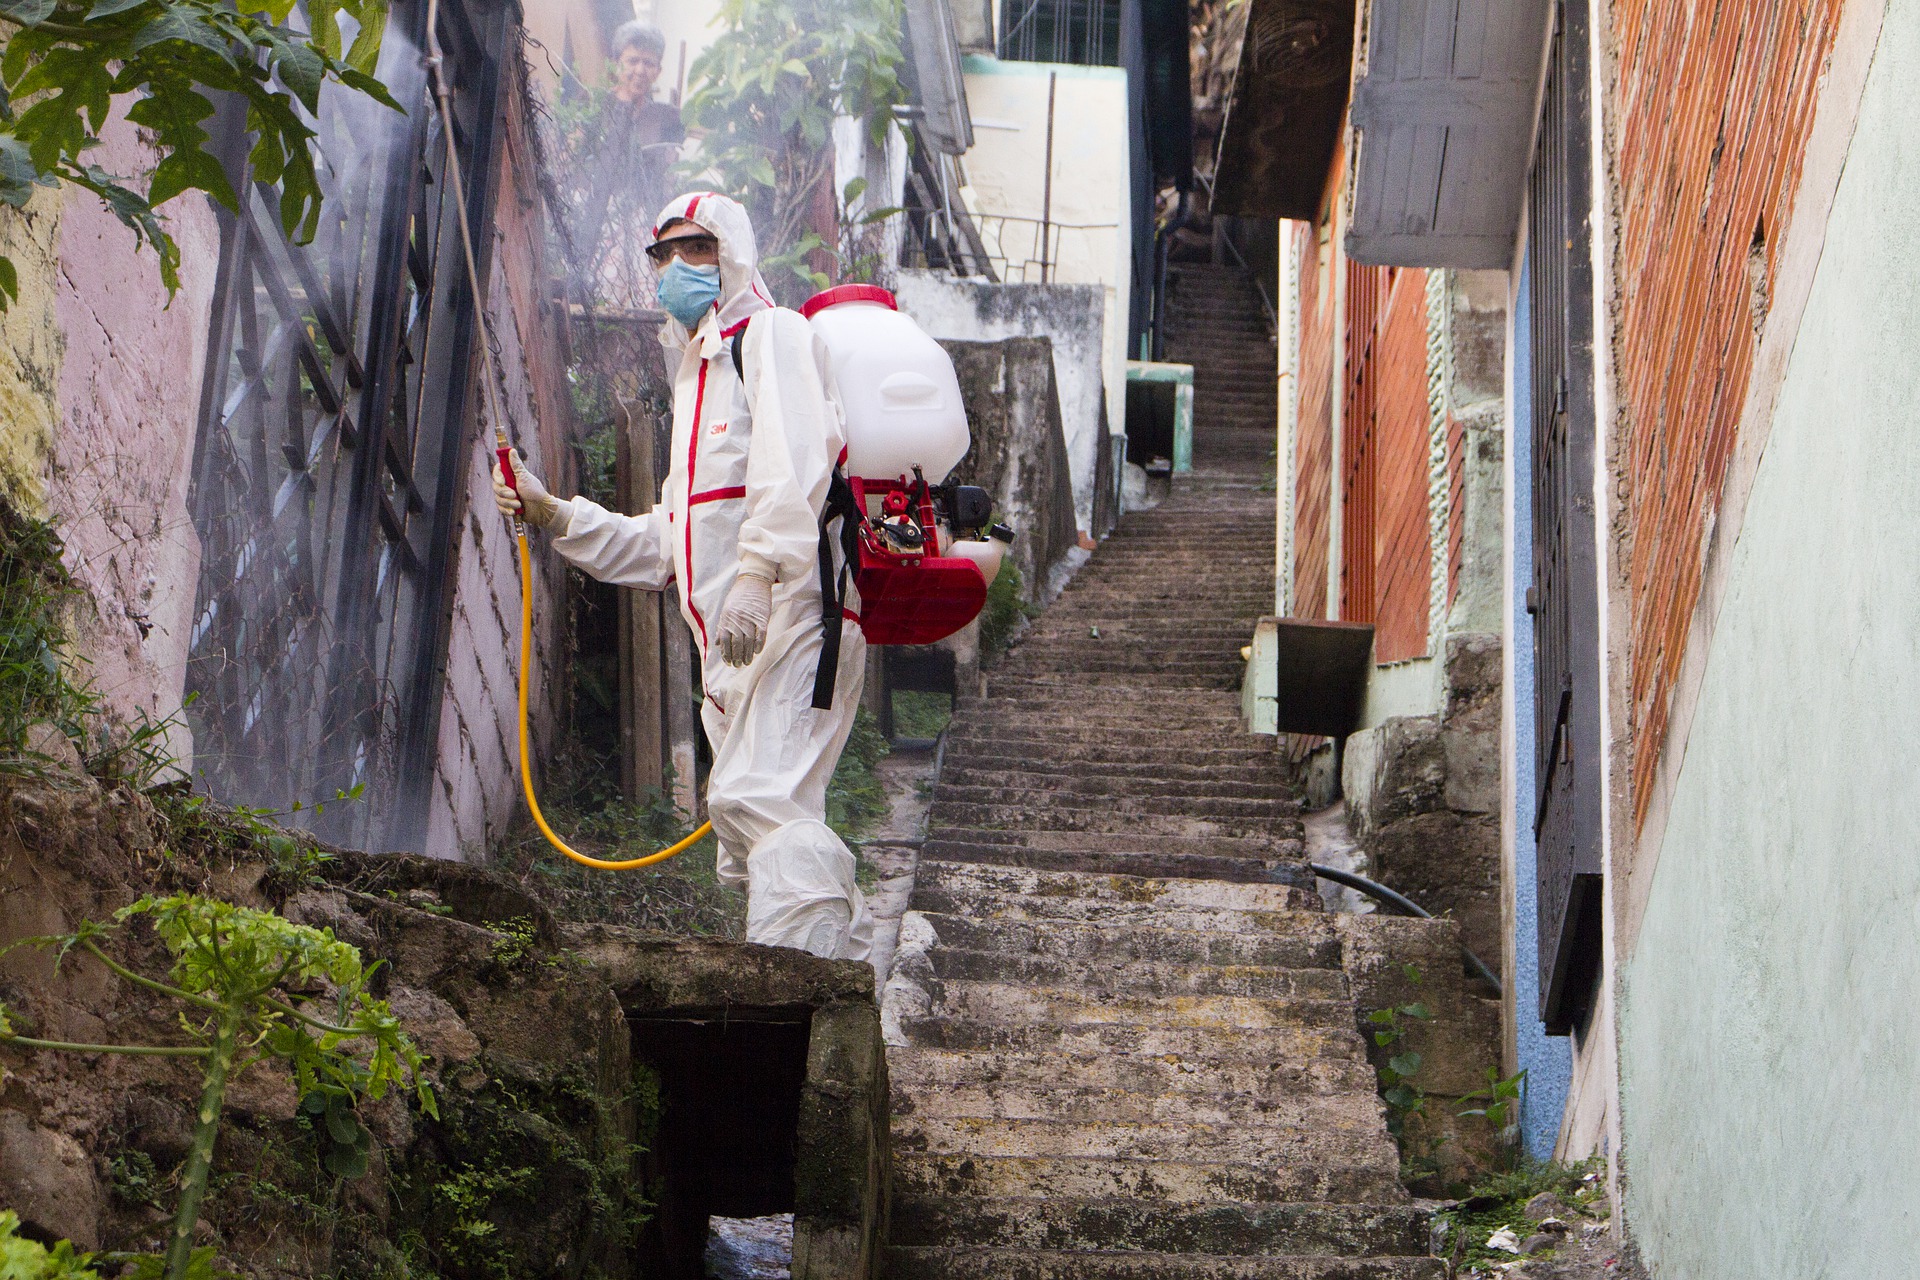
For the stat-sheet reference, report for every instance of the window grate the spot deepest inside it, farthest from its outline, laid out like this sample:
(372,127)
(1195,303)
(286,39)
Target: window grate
(332,444)
(1082,32)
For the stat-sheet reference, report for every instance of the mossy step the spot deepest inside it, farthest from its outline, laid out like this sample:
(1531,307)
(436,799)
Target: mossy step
(1106,914)
(1055,816)
(1257,1146)
(945,1263)
(1142,978)
(1344,1230)
(1214,804)
(1077,1103)
(1309,941)
(983,1000)
(1274,1044)
(951,846)
(1165,1181)
(1136,891)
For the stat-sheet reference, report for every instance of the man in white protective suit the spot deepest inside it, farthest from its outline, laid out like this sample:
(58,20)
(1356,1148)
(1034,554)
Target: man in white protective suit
(738,527)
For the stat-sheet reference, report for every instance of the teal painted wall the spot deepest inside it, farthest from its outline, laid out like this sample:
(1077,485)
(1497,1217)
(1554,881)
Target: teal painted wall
(1770,1044)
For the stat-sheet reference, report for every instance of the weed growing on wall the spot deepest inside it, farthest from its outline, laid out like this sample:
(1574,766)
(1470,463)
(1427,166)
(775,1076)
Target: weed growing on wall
(254,986)
(35,686)
(1005,610)
(855,797)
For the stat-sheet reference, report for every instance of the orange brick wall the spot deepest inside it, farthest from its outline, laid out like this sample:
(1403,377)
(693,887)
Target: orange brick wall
(1403,557)
(1713,105)
(1313,436)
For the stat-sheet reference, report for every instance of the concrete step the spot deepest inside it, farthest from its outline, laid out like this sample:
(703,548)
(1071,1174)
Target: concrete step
(1107,819)
(961,1263)
(1029,1100)
(1150,1077)
(1110,914)
(1013,1002)
(1246,780)
(1285,869)
(1017,700)
(1201,800)
(1170,1182)
(1295,1044)
(1300,940)
(1256,1229)
(1200,751)
(1259,1146)
(994,884)
(1141,978)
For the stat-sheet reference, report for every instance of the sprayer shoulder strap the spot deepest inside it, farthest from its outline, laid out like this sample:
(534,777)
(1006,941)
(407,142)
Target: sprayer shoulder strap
(739,364)
(841,505)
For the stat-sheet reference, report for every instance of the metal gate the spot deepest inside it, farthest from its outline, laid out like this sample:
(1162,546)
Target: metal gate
(1564,597)
(333,443)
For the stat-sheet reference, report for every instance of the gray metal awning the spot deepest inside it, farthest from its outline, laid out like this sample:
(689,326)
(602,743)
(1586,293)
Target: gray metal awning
(1443,108)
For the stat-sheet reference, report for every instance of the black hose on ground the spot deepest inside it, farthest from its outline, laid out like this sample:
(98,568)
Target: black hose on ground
(1405,906)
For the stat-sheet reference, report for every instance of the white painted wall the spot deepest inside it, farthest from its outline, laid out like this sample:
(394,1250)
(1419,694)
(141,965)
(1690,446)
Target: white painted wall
(1006,186)
(1072,316)
(1766,1035)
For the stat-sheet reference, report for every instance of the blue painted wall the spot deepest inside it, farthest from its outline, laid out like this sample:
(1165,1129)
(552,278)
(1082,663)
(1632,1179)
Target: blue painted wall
(1547,1060)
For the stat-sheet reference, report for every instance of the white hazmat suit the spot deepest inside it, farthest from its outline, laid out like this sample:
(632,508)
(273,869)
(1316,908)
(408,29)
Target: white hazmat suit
(748,479)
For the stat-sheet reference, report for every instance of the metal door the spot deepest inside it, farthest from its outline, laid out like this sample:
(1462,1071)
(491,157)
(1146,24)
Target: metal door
(1565,594)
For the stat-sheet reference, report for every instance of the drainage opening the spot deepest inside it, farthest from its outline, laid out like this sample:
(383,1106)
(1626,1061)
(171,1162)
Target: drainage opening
(730,1087)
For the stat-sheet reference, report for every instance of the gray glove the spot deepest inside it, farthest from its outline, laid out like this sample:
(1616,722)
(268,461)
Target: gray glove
(534,504)
(741,631)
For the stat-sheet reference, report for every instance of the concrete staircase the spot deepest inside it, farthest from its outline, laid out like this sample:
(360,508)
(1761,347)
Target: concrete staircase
(1122,1045)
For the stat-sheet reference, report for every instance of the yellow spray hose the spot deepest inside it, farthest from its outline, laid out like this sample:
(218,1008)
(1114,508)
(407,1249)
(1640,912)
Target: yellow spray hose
(458,188)
(526,774)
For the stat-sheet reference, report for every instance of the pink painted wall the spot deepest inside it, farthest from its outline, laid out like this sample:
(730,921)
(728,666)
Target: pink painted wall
(122,463)
(129,394)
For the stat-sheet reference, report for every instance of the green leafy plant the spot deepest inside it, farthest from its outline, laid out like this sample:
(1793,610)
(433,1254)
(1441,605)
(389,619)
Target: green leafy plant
(768,91)
(66,61)
(855,797)
(255,986)
(1403,1096)
(1499,1102)
(1005,610)
(24,1259)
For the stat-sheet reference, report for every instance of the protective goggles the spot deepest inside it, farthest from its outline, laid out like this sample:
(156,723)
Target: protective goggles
(661,252)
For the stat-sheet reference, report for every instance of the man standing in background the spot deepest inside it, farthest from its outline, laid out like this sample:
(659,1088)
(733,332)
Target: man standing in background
(624,145)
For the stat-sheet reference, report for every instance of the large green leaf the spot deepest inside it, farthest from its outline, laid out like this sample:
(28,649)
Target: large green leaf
(27,13)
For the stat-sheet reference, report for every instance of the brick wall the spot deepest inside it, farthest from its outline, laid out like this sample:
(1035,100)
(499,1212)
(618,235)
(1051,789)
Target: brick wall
(1403,549)
(1713,106)
(1313,434)
(476,790)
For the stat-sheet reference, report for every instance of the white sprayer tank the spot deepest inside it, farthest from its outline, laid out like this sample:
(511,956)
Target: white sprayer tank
(897,385)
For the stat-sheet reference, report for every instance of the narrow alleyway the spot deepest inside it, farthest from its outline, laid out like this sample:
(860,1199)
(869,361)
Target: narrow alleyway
(1123,1042)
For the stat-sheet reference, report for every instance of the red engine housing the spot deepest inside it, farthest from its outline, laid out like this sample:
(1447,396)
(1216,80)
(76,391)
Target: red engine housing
(911,599)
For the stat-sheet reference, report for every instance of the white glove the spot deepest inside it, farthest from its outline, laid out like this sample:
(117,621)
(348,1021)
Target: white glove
(741,630)
(538,507)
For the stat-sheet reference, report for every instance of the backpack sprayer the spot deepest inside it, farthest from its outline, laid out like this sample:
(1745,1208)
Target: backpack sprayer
(918,579)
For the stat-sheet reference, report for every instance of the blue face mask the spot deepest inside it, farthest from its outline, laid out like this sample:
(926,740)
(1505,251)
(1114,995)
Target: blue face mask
(686,292)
